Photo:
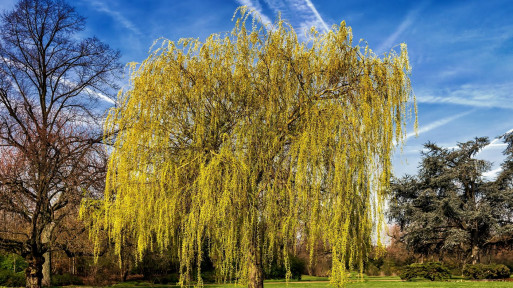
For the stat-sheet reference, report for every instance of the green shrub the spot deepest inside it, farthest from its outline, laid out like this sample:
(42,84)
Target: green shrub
(431,270)
(166,279)
(275,271)
(65,280)
(388,268)
(372,270)
(11,279)
(11,261)
(297,266)
(278,271)
(482,271)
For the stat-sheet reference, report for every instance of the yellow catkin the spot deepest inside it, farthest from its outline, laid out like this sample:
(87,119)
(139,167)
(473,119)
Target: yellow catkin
(254,140)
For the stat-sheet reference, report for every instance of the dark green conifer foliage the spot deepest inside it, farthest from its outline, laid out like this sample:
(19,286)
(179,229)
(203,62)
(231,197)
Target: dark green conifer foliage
(450,208)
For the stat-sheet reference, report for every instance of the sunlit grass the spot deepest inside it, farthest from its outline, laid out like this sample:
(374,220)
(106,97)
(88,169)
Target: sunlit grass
(369,282)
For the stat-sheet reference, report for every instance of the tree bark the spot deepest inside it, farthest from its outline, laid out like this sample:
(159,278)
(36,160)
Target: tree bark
(34,271)
(47,269)
(475,254)
(124,275)
(46,239)
(256,275)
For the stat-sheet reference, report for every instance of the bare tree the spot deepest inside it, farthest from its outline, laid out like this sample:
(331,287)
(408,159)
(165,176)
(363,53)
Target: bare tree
(51,83)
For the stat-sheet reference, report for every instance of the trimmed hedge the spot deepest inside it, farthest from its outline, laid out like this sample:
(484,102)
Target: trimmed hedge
(482,271)
(431,270)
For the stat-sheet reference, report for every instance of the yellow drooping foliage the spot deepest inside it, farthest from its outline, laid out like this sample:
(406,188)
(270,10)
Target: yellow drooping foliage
(239,147)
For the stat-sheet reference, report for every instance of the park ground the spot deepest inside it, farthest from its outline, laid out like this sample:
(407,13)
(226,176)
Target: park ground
(368,282)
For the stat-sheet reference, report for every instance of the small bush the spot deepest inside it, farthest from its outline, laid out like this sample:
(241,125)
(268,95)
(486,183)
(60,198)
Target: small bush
(166,279)
(154,265)
(11,261)
(11,279)
(297,266)
(275,271)
(278,271)
(372,270)
(432,271)
(65,280)
(482,271)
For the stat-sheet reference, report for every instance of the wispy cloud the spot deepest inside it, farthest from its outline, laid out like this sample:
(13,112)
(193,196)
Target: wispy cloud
(497,142)
(255,6)
(301,14)
(405,24)
(437,124)
(493,152)
(492,174)
(99,95)
(102,7)
(89,91)
(64,81)
(317,15)
(498,96)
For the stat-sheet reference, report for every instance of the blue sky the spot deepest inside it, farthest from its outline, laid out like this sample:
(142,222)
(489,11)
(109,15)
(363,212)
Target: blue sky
(461,51)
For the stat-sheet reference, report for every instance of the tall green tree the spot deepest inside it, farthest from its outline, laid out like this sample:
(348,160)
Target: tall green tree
(252,142)
(449,207)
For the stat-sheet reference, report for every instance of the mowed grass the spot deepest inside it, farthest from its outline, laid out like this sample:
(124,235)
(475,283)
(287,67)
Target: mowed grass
(370,282)
(429,284)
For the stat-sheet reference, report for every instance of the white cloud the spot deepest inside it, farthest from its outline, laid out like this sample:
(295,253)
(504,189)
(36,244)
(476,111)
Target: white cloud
(438,123)
(255,7)
(64,81)
(497,146)
(102,7)
(301,14)
(493,153)
(387,44)
(89,91)
(498,96)
(317,15)
(492,174)
(405,24)
(99,95)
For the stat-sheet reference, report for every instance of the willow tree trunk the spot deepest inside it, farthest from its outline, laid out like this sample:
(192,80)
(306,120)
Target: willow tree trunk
(256,275)
(34,271)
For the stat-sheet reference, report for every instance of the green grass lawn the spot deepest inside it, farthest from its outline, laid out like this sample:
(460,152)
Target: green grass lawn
(370,282)
(429,284)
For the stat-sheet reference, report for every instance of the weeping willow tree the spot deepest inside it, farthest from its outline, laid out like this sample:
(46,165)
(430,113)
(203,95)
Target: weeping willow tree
(239,147)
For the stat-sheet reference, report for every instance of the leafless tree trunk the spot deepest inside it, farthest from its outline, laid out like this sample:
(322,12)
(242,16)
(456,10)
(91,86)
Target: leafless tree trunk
(47,265)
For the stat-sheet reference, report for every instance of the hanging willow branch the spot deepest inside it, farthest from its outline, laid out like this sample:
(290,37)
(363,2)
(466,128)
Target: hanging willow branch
(249,143)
